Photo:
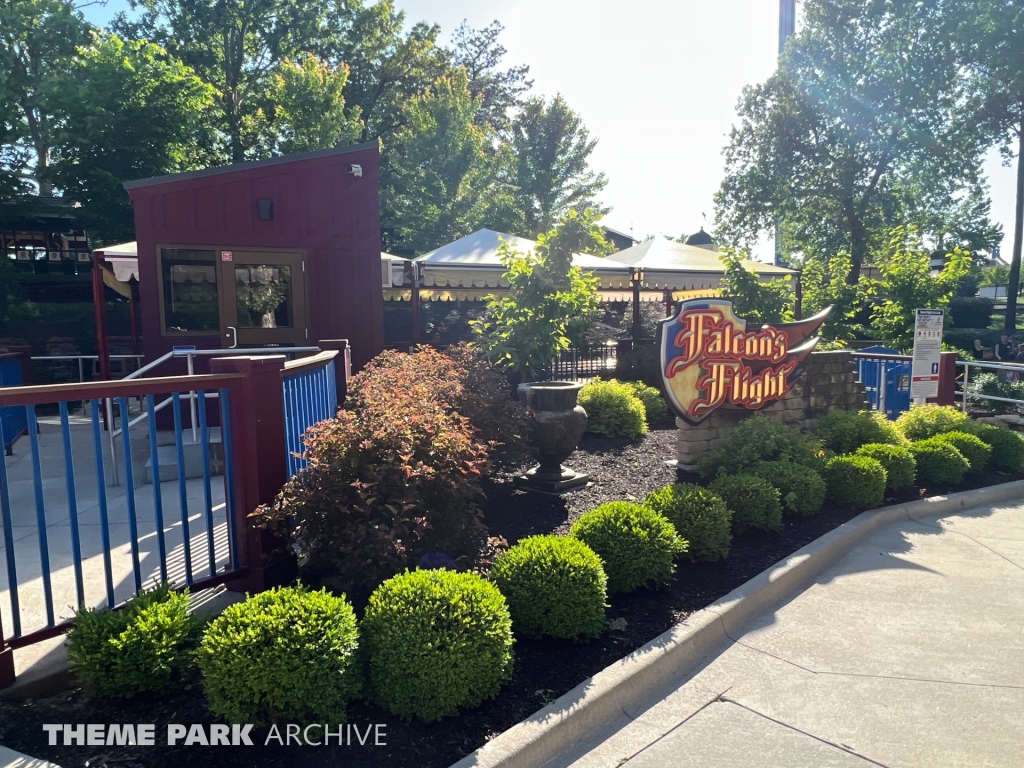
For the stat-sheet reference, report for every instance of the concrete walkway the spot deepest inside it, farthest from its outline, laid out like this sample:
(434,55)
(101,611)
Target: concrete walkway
(909,651)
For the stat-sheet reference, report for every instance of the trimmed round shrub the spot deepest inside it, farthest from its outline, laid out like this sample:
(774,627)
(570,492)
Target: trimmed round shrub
(755,503)
(801,489)
(846,431)
(939,462)
(655,407)
(924,421)
(699,515)
(147,646)
(636,544)
(612,409)
(286,654)
(556,586)
(1007,445)
(897,461)
(437,642)
(974,449)
(855,480)
(756,440)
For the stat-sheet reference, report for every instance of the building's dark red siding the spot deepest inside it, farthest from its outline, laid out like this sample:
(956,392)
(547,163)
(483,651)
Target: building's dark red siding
(319,207)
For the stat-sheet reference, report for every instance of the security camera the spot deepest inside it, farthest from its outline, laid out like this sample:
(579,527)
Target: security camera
(356,170)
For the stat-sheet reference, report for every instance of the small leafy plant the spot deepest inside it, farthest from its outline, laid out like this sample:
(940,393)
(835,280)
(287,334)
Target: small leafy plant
(636,545)
(756,440)
(974,449)
(556,586)
(699,515)
(801,488)
(846,431)
(655,407)
(924,421)
(613,410)
(1007,445)
(897,461)
(146,647)
(286,654)
(939,462)
(855,480)
(437,642)
(755,503)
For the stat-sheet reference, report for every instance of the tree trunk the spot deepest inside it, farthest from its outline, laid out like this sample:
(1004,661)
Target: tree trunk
(858,250)
(1018,237)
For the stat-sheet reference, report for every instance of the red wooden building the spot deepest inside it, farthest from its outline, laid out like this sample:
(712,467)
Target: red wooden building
(279,252)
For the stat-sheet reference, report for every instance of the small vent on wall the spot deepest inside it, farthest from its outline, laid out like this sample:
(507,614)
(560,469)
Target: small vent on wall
(265,208)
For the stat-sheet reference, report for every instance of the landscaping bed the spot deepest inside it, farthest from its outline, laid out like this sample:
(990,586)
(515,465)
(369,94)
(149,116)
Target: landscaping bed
(544,669)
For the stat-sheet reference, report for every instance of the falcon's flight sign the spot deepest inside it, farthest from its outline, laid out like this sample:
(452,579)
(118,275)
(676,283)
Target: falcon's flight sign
(709,358)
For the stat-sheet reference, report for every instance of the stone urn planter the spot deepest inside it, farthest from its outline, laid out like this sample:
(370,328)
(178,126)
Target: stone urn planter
(556,425)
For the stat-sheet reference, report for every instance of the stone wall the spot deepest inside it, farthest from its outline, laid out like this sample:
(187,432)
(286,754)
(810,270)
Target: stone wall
(828,383)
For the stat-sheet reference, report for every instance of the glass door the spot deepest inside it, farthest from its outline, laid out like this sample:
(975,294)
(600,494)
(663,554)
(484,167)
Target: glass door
(263,299)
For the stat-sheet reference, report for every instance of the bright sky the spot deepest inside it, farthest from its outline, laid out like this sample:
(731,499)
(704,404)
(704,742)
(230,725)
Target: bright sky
(656,82)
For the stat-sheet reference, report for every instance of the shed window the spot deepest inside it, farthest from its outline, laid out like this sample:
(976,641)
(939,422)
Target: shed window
(191,304)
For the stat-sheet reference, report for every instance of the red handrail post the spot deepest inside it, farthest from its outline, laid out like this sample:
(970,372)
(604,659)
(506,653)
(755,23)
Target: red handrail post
(258,452)
(947,380)
(342,364)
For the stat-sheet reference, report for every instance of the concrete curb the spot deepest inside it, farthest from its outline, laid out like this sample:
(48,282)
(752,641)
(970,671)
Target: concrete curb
(630,681)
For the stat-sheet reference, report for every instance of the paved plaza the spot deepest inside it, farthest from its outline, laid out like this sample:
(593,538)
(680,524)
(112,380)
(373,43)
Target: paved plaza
(908,652)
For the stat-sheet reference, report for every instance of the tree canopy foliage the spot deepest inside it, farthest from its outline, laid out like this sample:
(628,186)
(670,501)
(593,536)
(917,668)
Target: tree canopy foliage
(868,124)
(181,84)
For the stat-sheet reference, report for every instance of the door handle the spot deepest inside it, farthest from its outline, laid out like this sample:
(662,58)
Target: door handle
(234,332)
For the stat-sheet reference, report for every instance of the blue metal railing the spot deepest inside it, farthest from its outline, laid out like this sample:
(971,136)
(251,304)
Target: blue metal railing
(885,375)
(310,396)
(12,420)
(65,525)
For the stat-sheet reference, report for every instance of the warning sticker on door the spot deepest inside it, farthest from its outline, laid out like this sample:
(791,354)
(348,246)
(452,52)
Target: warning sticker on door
(226,256)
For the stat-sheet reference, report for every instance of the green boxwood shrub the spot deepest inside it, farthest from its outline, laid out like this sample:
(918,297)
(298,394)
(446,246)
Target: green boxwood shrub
(939,462)
(147,646)
(974,449)
(613,410)
(1007,445)
(855,480)
(699,515)
(286,654)
(556,586)
(801,488)
(636,544)
(756,440)
(897,461)
(655,407)
(846,431)
(924,421)
(755,503)
(437,641)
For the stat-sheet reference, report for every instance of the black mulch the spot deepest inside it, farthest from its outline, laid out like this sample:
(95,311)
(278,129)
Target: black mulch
(544,669)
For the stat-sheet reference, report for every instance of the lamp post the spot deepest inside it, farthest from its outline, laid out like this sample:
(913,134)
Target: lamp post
(636,275)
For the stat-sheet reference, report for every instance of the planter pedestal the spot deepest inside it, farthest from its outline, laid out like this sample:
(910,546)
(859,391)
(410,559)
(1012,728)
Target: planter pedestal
(556,425)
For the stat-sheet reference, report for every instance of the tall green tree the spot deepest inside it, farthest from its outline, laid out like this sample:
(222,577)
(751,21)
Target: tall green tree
(308,106)
(235,46)
(126,111)
(867,125)
(907,284)
(550,172)
(479,53)
(38,43)
(435,184)
(991,33)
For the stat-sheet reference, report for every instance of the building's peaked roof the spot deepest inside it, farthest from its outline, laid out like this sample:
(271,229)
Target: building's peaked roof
(480,249)
(661,254)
